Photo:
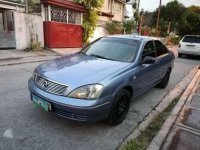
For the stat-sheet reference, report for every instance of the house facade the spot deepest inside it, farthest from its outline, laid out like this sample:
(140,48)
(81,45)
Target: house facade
(58,24)
(17,27)
(112,10)
(62,23)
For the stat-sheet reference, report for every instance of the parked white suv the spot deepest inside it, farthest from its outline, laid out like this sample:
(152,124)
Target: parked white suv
(190,44)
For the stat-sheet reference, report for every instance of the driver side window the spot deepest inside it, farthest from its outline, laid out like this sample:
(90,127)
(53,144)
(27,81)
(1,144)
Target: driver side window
(149,50)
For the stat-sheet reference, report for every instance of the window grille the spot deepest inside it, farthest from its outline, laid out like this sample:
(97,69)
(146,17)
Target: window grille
(64,15)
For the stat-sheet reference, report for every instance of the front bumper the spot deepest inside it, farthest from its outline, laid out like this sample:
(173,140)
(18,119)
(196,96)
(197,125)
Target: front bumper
(74,109)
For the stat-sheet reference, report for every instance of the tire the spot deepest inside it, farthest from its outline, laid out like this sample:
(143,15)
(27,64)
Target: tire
(164,82)
(120,107)
(179,55)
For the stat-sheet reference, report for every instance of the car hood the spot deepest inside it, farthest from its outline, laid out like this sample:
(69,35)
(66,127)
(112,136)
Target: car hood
(79,69)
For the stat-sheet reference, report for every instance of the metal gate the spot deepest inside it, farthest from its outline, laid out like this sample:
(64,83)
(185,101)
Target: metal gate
(7,30)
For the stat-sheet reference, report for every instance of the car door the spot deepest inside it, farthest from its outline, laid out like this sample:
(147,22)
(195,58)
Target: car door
(162,58)
(146,74)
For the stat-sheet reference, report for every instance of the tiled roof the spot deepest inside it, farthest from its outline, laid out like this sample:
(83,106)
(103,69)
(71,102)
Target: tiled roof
(64,3)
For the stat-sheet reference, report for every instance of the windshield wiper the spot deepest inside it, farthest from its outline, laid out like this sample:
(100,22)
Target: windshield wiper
(98,56)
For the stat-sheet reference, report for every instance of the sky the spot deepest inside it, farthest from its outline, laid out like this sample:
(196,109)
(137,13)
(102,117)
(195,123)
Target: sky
(151,5)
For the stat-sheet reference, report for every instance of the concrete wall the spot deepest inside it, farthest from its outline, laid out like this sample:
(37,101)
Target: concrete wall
(106,7)
(99,32)
(118,16)
(22,29)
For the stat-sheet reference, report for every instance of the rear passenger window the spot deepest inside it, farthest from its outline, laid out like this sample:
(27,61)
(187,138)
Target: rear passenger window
(149,50)
(160,48)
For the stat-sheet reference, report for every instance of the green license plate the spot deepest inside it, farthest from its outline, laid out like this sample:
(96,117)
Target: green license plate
(41,103)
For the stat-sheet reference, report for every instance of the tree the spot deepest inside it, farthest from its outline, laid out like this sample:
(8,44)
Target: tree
(170,15)
(90,18)
(173,11)
(114,27)
(129,26)
(111,27)
(190,21)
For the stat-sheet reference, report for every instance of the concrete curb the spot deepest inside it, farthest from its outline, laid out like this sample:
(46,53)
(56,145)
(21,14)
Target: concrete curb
(53,51)
(172,94)
(158,140)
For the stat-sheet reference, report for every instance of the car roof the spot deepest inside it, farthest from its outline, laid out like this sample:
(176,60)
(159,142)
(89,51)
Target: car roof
(134,37)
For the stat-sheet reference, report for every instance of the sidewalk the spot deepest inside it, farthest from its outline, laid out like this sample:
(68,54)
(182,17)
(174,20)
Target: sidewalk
(184,132)
(11,57)
(65,51)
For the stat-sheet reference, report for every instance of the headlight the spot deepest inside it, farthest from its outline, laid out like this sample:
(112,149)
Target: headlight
(87,92)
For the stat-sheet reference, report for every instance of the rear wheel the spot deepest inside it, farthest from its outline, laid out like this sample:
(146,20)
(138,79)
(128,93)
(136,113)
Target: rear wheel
(120,107)
(179,55)
(164,82)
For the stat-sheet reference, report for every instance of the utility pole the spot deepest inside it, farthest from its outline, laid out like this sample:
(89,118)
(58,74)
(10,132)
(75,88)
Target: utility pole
(138,4)
(26,6)
(138,23)
(158,16)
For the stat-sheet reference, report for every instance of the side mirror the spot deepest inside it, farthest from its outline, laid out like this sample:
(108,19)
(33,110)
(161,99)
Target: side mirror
(148,60)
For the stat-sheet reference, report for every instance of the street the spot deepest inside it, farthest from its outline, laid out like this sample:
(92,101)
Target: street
(30,127)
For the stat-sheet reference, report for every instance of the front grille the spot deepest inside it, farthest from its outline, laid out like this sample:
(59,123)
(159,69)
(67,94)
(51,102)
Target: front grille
(49,86)
(70,115)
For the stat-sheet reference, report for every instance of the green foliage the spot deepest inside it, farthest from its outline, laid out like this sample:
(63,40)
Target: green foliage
(170,14)
(90,18)
(128,1)
(184,20)
(129,26)
(33,6)
(113,27)
(136,15)
(146,136)
(175,40)
(190,21)
(172,11)
(134,5)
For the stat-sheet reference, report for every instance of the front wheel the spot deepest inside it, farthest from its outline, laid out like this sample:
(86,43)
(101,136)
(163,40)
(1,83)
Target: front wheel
(120,107)
(164,82)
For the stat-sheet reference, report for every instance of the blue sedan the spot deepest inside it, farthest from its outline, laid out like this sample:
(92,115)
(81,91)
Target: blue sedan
(99,82)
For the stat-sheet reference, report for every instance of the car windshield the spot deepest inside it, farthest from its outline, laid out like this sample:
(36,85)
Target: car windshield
(191,39)
(117,49)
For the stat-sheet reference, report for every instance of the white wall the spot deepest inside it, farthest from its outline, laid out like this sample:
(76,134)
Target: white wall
(99,32)
(22,32)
